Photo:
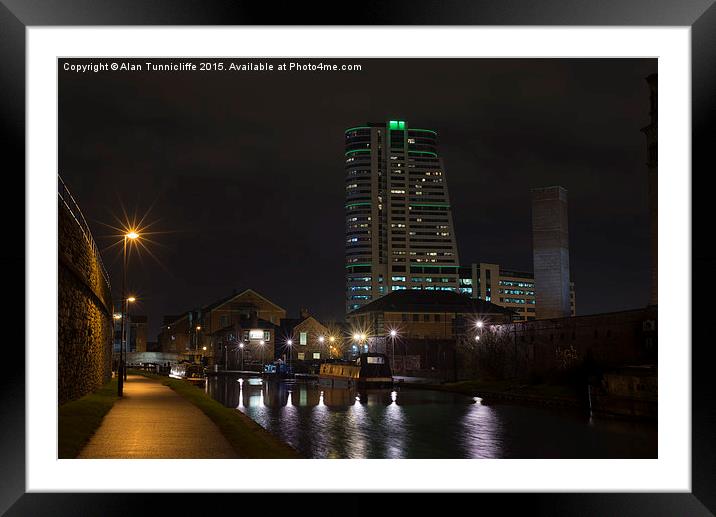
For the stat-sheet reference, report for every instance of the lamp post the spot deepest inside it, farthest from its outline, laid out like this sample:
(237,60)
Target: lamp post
(393,335)
(262,343)
(121,369)
(321,339)
(289,344)
(241,346)
(196,341)
(117,320)
(479,324)
(130,299)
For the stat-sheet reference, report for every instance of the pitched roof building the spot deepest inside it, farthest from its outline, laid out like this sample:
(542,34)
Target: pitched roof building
(424,314)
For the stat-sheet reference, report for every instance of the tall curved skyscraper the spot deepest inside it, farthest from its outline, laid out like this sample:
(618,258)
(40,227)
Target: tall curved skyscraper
(399,228)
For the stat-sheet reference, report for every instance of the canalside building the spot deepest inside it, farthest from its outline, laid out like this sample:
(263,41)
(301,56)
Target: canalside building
(214,332)
(426,325)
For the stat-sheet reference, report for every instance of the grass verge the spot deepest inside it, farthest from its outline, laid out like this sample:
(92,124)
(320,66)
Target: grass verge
(248,438)
(78,420)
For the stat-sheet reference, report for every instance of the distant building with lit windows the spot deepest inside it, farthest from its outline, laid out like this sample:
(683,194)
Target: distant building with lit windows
(505,287)
(399,227)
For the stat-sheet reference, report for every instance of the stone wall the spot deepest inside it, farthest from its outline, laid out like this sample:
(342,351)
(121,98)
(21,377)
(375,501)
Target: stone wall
(84,310)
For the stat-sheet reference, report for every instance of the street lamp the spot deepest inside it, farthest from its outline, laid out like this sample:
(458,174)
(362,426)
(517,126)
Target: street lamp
(262,343)
(393,335)
(132,235)
(241,346)
(289,344)
(479,324)
(332,339)
(321,339)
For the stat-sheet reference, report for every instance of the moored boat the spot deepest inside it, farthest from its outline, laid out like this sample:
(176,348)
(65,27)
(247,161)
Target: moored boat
(188,371)
(369,370)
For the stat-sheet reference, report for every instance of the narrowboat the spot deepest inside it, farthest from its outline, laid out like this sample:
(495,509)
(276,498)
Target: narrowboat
(369,370)
(188,371)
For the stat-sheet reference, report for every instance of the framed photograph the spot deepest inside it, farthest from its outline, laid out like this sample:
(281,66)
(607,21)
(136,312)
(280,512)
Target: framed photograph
(392,256)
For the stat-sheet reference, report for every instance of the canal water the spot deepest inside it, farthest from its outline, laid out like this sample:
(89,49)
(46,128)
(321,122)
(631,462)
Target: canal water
(344,423)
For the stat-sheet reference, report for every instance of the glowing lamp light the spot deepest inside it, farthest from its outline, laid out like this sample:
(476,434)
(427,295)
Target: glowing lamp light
(479,324)
(289,342)
(117,316)
(204,348)
(241,345)
(356,336)
(477,338)
(131,299)
(262,342)
(198,327)
(132,234)
(332,339)
(362,337)
(321,339)
(393,333)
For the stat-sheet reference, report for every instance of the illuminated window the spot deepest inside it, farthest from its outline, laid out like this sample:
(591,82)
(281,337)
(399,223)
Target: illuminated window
(301,356)
(303,339)
(316,355)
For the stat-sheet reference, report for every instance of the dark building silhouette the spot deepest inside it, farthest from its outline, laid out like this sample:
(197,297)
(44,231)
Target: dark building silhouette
(651,156)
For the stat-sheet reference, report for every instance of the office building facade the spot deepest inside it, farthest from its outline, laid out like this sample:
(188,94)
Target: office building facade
(505,287)
(399,228)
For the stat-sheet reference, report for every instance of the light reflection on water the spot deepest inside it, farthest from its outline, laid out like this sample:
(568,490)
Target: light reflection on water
(326,422)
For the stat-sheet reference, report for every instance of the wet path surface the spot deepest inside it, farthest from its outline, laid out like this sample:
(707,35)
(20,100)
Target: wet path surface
(152,421)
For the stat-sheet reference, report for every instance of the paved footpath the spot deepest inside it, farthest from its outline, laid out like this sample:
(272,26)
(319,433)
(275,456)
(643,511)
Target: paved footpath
(152,421)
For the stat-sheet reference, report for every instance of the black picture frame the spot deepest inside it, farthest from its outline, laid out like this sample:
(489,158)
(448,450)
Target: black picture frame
(17,15)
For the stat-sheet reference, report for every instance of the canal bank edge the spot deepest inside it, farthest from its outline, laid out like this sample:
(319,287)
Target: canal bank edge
(546,395)
(247,438)
(533,395)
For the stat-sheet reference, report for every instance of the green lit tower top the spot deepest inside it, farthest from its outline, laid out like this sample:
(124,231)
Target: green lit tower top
(399,229)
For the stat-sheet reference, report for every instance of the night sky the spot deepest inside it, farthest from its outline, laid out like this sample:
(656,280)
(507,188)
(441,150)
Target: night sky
(244,171)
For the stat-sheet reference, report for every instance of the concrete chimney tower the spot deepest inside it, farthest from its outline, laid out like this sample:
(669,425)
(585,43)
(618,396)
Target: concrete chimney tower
(550,249)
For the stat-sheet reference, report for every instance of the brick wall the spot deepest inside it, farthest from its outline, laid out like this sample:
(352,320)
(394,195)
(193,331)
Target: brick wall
(84,313)
(553,346)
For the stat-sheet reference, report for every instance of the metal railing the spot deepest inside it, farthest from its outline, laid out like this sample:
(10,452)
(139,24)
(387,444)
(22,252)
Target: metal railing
(73,208)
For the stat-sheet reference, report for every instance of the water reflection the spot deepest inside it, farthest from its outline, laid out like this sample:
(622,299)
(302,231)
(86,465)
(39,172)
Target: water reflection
(324,422)
(481,433)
